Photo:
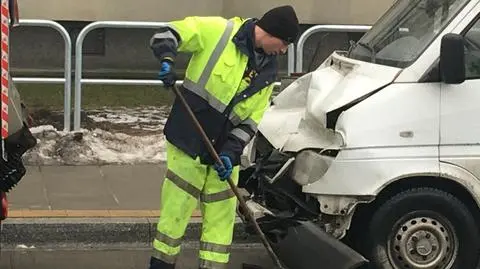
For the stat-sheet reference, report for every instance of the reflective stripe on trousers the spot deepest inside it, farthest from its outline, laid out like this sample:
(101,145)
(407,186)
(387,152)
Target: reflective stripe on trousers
(210,252)
(187,181)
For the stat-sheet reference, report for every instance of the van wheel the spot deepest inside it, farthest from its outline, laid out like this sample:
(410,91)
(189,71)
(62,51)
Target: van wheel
(423,228)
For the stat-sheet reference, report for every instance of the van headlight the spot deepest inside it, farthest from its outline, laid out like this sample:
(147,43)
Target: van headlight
(310,166)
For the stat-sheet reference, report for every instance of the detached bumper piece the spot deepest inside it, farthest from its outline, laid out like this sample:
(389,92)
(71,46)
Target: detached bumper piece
(13,170)
(304,245)
(251,266)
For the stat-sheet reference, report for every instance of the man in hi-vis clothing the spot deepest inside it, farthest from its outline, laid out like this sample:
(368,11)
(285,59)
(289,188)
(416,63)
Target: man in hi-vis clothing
(228,84)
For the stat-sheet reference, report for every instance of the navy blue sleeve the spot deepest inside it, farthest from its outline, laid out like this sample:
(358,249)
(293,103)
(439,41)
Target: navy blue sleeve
(237,140)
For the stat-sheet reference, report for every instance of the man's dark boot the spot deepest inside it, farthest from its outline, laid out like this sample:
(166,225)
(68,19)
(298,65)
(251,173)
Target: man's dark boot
(159,264)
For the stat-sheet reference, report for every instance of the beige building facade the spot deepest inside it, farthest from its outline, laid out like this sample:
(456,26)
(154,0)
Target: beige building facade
(309,11)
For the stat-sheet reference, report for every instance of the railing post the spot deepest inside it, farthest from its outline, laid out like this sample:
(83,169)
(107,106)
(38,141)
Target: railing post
(67,66)
(79,56)
(291,59)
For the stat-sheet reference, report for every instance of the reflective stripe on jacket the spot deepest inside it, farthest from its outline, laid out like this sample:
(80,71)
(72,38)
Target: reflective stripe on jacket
(228,103)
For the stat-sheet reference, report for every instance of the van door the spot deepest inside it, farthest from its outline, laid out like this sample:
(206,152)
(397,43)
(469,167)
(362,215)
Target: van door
(460,110)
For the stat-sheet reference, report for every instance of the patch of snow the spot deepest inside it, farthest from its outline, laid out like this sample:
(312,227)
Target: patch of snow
(22,246)
(42,128)
(138,138)
(150,115)
(95,147)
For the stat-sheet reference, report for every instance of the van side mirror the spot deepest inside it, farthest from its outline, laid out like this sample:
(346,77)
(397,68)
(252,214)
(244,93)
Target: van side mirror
(452,59)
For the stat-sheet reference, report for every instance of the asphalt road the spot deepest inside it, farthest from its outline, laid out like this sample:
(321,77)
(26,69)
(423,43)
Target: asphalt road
(117,258)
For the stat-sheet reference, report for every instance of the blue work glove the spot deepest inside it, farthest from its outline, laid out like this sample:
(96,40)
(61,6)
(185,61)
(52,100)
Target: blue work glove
(224,171)
(166,74)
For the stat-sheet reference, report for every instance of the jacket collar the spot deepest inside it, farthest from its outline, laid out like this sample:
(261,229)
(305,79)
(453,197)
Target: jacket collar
(244,40)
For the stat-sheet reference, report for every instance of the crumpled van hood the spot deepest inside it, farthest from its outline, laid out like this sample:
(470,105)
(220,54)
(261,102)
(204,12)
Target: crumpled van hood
(297,118)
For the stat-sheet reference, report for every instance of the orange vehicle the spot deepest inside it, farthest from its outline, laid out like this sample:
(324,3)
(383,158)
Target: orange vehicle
(16,137)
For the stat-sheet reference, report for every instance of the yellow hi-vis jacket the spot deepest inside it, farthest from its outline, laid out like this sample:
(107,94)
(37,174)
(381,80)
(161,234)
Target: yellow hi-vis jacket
(227,83)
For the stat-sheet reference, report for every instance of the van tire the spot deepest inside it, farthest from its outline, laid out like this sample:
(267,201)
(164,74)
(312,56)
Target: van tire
(420,224)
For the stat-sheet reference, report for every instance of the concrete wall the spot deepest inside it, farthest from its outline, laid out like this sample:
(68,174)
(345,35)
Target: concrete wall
(94,10)
(315,11)
(309,11)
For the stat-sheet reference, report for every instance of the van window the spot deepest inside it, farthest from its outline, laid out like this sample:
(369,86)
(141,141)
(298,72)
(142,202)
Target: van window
(406,29)
(472,51)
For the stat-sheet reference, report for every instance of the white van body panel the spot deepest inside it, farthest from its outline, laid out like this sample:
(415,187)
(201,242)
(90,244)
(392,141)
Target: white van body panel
(460,126)
(400,115)
(365,172)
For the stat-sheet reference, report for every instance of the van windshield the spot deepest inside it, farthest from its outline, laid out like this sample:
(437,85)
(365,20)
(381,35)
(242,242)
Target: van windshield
(405,30)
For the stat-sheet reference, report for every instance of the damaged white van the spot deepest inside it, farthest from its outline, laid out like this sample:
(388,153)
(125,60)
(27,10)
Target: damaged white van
(380,146)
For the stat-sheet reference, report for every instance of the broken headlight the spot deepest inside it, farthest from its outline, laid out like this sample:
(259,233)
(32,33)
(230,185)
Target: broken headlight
(310,166)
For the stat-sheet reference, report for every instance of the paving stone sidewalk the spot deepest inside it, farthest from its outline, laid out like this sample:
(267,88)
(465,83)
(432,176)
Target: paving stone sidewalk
(91,205)
(89,188)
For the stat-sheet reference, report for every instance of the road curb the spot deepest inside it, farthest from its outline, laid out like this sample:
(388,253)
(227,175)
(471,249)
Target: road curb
(84,232)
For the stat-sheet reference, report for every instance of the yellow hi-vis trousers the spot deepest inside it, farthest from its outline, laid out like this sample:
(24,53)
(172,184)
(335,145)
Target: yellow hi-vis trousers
(188,181)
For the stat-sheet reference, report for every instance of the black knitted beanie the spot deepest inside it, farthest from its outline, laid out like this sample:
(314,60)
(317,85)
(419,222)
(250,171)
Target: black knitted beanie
(281,22)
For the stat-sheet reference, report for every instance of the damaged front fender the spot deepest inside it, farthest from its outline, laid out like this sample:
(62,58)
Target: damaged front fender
(290,127)
(338,211)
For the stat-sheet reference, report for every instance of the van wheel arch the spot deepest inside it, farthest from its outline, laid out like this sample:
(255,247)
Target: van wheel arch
(364,212)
